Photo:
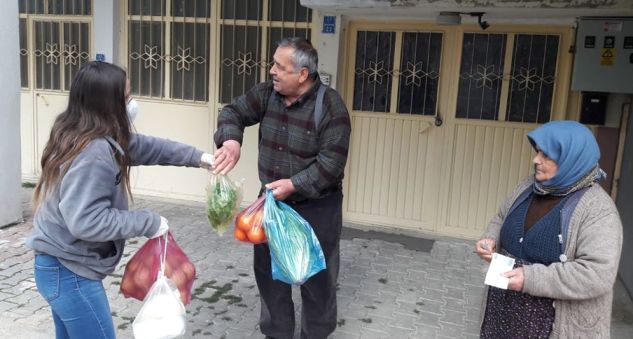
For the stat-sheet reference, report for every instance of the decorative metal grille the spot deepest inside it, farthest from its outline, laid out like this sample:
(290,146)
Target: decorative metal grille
(416,72)
(481,76)
(24,55)
(189,61)
(168,48)
(420,73)
(169,44)
(241,61)
(60,50)
(55,7)
(47,53)
(532,78)
(249,32)
(373,72)
(75,51)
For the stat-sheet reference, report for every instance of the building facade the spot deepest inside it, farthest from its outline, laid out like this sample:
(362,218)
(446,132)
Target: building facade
(440,109)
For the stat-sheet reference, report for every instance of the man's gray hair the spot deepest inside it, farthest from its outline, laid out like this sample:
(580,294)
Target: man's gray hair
(304,55)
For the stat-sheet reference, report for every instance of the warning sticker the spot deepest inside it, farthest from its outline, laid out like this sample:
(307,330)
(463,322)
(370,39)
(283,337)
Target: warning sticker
(607,57)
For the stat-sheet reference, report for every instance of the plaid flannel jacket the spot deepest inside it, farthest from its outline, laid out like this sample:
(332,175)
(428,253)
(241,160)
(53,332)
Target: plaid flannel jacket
(289,145)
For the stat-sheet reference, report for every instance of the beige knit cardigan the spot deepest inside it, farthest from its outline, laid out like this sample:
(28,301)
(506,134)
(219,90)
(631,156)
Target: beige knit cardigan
(583,285)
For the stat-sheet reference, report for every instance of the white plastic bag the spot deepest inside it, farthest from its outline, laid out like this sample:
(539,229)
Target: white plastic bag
(162,315)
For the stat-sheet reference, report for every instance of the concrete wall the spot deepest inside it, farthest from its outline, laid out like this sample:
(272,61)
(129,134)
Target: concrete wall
(624,202)
(559,12)
(329,47)
(105,35)
(10,184)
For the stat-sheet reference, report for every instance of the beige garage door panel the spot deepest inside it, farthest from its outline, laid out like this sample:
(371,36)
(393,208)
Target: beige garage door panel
(487,163)
(391,177)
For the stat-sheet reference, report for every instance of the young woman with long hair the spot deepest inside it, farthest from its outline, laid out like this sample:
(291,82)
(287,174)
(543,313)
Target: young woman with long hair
(82,218)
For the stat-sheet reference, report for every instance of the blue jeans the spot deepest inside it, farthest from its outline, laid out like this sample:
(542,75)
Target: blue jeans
(80,306)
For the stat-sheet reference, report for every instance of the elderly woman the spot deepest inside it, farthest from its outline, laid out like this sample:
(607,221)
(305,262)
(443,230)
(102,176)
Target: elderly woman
(565,233)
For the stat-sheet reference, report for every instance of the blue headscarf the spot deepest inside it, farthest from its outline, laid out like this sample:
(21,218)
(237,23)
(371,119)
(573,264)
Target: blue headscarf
(574,149)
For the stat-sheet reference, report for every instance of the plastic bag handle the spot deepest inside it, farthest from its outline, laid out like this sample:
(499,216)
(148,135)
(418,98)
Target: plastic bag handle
(163,255)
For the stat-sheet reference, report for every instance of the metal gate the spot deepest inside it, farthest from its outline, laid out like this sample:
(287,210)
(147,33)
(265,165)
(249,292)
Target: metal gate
(55,40)
(439,118)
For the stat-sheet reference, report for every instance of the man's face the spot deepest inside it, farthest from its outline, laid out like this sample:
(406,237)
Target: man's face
(286,80)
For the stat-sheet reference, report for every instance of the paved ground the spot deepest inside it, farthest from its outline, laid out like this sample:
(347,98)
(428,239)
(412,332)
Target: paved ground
(394,288)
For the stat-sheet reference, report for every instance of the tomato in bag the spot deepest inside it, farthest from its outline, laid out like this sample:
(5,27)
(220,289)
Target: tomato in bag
(250,222)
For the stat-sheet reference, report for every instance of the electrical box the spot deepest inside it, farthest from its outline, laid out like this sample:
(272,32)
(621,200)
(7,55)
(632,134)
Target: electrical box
(593,110)
(603,59)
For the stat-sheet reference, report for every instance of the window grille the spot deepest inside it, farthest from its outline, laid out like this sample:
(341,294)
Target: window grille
(420,73)
(55,7)
(405,62)
(530,77)
(24,55)
(60,47)
(169,44)
(168,48)
(374,70)
(249,31)
(480,76)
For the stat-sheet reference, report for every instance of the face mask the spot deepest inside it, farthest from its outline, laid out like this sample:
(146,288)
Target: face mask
(132,109)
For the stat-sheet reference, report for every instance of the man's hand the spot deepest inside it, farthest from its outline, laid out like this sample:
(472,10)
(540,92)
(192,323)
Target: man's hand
(516,279)
(281,188)
(226,157)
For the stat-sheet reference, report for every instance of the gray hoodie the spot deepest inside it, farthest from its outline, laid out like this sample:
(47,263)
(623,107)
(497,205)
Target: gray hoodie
(84,221)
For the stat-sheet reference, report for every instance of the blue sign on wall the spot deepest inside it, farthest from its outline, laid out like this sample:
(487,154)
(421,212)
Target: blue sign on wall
(100,57)
(329,24)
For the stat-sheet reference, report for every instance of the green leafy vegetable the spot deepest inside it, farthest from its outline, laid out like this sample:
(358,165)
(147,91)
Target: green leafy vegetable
(222,201)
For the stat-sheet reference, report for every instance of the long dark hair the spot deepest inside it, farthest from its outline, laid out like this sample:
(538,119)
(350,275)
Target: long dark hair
(96,109)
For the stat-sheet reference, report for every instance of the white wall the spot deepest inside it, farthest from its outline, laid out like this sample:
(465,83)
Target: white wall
(10,189)
(106,30)
(329,48)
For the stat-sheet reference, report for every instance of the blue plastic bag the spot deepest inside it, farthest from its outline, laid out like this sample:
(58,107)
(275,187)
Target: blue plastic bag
(295,252)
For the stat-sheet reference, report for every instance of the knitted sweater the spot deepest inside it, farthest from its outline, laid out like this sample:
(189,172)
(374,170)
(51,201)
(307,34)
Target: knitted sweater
(583,285)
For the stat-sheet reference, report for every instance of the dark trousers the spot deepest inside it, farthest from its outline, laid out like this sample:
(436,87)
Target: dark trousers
(318,294)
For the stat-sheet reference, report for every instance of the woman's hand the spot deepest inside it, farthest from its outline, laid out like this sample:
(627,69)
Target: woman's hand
(485,247)
(516,279)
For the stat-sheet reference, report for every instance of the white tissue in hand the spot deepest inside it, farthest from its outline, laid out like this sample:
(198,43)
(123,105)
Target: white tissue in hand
(499,265)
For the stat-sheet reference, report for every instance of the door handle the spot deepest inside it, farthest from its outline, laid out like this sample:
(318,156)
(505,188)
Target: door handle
(43,99)
(438,120)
